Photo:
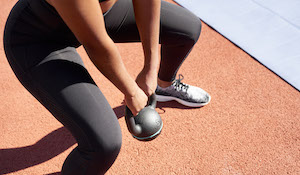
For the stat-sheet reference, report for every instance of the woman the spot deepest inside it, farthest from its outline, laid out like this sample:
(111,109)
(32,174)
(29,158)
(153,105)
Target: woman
(40,39)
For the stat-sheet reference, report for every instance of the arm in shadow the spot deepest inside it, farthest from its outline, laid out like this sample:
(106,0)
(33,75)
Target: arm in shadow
(14,159)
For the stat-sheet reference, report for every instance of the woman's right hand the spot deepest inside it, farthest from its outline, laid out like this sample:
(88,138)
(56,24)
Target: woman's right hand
(136,102)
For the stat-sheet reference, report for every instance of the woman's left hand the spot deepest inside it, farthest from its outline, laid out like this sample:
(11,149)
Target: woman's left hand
(147,81)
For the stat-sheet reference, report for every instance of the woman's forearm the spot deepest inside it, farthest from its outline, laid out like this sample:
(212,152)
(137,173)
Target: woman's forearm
(147,14)
(108,61)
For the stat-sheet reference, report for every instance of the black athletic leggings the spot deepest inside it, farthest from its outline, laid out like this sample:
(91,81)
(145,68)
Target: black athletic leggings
(41,51)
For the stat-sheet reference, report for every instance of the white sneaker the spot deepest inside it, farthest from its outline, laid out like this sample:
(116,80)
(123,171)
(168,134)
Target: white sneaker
(183,93)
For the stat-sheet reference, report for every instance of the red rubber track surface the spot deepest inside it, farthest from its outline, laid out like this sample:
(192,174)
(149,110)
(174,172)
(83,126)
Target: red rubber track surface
(251,125)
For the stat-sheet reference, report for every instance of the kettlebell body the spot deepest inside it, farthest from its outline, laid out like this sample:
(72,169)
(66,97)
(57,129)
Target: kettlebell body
(147,125)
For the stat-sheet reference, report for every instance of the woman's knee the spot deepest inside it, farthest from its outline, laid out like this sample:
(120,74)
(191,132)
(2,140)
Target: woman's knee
(178,25)
(193,29)
(105,155)
(98,161)
(98,145)
(196,30)
(110,145)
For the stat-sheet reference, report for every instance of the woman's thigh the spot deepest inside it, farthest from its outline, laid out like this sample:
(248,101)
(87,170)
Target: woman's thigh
(63,85)
(177,24)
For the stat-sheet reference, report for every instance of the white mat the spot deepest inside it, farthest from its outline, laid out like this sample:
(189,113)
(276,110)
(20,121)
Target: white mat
(268,30)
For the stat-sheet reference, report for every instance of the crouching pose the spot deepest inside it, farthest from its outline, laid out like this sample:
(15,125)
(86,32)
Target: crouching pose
(40,41)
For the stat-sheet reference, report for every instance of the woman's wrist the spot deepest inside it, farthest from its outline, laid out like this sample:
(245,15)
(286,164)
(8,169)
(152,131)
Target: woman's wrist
(131,89)
(151,70)
(152,64)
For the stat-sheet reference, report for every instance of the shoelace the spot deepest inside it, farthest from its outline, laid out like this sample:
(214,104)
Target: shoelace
(179,85)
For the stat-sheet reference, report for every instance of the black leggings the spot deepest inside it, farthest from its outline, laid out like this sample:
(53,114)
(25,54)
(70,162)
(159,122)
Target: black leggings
(42,53)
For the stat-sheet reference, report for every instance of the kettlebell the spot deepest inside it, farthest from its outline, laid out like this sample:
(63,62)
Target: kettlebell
(147,125)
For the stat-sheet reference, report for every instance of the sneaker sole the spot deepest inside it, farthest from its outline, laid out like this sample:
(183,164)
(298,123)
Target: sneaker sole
(162,98)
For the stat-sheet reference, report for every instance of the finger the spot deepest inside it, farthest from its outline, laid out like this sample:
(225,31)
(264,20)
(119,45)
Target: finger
(135,113)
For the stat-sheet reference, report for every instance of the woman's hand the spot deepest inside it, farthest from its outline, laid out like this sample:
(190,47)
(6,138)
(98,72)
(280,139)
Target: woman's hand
(136,102)
(147,81)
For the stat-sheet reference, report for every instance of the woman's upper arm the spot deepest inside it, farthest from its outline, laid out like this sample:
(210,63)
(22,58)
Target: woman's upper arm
(85,19)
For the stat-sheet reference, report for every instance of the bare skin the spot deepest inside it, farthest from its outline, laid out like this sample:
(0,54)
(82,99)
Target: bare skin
(89,28)
(147,14)
(163,84)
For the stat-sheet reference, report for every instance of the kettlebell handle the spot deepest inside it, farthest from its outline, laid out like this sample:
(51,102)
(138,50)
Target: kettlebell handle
(152,101)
